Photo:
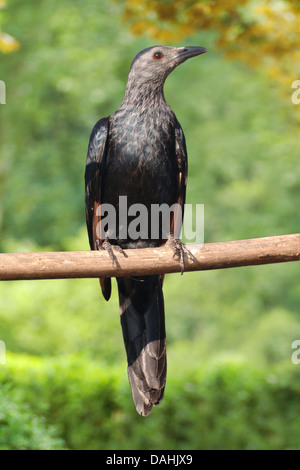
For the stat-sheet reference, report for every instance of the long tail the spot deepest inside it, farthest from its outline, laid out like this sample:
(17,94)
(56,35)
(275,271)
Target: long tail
(143,325)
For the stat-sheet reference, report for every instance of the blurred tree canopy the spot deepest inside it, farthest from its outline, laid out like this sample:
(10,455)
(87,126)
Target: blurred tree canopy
(252,31)
(72,72)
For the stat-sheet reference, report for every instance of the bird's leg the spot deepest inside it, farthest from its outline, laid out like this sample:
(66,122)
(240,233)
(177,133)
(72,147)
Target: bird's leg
(180,250)
(107,246)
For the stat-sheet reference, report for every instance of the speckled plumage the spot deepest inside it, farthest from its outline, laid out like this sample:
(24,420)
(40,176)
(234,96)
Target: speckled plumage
(139,152)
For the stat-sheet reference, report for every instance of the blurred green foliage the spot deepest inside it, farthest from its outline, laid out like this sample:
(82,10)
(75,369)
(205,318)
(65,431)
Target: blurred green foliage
(243,145)
(225,405)
(20,428)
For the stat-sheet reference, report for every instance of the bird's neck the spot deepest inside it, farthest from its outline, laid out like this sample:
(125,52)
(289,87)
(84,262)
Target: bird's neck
(144,95)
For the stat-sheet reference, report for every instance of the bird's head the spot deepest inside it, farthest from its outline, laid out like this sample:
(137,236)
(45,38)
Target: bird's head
(155,63)
(151,66)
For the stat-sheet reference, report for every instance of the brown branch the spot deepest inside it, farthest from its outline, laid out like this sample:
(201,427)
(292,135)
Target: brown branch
(80,264)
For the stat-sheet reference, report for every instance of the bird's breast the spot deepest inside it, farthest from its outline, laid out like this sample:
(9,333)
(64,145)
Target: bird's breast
(141,160)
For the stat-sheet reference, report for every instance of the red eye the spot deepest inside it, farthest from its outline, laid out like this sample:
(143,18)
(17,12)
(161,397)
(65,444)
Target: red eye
(157,56)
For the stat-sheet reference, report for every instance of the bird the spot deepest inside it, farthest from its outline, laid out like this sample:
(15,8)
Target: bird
(139,152)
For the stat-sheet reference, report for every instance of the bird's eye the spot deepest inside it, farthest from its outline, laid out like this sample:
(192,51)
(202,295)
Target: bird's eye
(157,56)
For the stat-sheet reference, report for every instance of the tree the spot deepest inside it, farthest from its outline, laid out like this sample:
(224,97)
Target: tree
(256,32)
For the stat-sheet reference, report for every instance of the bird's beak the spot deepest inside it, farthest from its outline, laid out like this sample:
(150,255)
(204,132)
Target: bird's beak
(190,51)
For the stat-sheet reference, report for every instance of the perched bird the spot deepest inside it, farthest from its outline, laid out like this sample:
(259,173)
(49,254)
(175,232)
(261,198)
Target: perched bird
(139,152)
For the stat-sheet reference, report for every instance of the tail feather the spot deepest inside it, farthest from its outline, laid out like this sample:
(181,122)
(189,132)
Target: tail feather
(143,325)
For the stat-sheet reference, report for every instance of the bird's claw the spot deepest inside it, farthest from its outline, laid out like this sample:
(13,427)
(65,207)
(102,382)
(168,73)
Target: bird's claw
(108,247)
(180,250)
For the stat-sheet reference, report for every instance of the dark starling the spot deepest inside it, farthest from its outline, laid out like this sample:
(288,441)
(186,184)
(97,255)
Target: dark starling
(139,152)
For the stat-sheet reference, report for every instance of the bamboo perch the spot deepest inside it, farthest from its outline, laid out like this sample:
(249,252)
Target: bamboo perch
(89,264)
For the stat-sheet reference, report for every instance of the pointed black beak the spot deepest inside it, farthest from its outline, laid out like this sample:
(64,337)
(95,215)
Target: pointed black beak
(190,51)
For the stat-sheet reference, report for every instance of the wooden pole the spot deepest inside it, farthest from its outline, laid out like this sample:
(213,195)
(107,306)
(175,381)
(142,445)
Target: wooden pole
(93,264)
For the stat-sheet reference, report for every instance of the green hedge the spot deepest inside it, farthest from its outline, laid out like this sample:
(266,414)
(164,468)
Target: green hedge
(20,428)
(77,404)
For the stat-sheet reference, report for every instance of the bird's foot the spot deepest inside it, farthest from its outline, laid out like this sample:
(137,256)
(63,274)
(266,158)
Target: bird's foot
(180,250)
(108,247)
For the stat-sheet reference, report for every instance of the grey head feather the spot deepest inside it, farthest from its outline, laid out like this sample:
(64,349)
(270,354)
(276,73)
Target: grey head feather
(151,66)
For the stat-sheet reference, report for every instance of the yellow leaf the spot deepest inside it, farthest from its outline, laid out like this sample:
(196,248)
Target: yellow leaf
(8,43)
(134,3)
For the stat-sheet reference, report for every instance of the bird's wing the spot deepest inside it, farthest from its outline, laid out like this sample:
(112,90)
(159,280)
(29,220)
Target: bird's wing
(181,158)
(95,162)
(182,166)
